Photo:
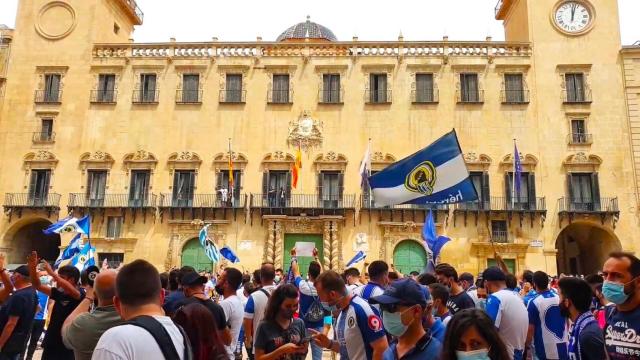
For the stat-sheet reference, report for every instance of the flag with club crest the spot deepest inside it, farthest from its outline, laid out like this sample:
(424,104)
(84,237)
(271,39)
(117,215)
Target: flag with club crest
(70,225)
(85,258)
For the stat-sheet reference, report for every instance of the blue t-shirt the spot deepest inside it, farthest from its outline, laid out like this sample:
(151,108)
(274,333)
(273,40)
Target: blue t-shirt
(171,302)
(586,341)
(308,295)
(550,335)
(428,347)
(438,329)
(43,301)
(357,326)
(622,334)
(530,295)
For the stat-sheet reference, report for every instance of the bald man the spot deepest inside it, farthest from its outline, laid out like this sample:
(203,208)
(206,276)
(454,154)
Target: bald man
(83,328)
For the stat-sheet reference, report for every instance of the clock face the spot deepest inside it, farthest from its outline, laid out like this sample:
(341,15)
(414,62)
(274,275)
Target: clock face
(573,17)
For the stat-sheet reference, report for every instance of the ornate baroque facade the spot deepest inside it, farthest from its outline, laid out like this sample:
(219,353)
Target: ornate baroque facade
(141,136)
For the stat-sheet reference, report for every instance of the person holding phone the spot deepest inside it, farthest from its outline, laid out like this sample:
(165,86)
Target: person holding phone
(280,335)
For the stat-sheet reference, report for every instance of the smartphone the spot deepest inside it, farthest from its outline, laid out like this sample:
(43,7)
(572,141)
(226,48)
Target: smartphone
(306,340)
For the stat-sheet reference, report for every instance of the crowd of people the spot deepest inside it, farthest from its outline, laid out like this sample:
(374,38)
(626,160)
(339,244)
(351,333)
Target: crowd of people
(371,312)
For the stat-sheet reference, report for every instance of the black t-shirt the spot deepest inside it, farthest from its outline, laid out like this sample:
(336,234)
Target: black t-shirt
(216,310)
(64,305)
(271,336)
(622,334)
(23,304)
(592,343)
(460,302)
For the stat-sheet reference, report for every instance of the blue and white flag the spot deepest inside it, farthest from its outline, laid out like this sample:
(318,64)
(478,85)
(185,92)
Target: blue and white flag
(203,236)
(517,172)
(69,252)
(228,254)
(85,258)
(211,250)
(433,242)
(365,167)
(70,225)
(359,257)
(436,174)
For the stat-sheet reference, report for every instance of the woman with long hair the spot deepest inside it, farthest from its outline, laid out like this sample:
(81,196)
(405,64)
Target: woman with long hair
(472,335)
(280,335)
(200,325)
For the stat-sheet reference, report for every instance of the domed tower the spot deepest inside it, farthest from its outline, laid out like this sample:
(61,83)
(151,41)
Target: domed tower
(307,31)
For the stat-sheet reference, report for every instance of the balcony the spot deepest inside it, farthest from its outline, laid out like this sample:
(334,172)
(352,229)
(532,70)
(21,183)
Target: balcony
(135,11)
(514,97)
(295,204)
(500,236)
(602,207)
(580,139)
(377,96)
(425,96)
(186,97)
(232,96)
(47,97)
(403,212)
(111,201)
(43,137)
(104,97)
(16,202)
(577,97)
(519,204)
(470,97)
(146,97)
(521,207)
(331,97)
(280,96)
(200,205)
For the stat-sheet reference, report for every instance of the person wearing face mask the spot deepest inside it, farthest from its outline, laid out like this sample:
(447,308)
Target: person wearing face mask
(228,283)
(254,310)
(586,341)
(458,297)
(378,279)
(472,336)
(16,313)
(440,295)
(279,276)
(359,333)
(403,304)
(621,286)
(430,322)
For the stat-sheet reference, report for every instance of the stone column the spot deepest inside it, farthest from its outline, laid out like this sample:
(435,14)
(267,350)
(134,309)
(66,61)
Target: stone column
(168,260)
(268,254)
(335,247)
(279,245)
(326,243)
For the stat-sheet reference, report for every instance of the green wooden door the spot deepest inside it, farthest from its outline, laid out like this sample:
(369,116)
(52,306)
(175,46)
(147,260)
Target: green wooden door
(511,264)
(193,255)
(409,256)
(290,241)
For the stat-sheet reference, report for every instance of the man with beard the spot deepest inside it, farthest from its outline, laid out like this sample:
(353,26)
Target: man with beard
(458,298)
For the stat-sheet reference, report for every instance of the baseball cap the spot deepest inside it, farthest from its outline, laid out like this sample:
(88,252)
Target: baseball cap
(404,291)
(193,278)
(22,270)
(493,273)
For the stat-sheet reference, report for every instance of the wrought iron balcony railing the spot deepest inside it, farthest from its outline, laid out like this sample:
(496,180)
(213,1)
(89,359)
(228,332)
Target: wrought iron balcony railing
(378,96)
(470,97)
(473,206)
(331,96)
(601,205)
(133,5)
(83,200)
(18,200)
(104,96)
(280,96)
(514,96)
(577,97)
(500,236)
(425,96)
(579,139)
(518,204)
(47,97)
(146,96)
(368,203)
(233,96)
(188,96)
(202,201)
(303,201)
(44,137)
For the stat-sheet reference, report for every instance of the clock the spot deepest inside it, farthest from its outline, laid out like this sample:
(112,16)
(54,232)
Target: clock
(573,17)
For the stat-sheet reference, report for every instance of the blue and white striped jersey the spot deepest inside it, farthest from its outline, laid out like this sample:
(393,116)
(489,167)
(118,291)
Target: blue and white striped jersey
(550,336)
(357,326)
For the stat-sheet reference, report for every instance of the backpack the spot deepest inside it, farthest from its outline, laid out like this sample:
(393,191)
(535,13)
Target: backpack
(315,312)
(162,337)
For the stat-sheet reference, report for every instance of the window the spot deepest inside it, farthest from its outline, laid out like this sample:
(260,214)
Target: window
(39,187)
(525,199)
(183,188)
(514,88)
(113,259)
(114,227)
(234,88)
(280,91)
(499,231)
(578,131)
(147,88)
(276,187)
(51,87)
(330,187)
(424,88)
(46,130)
(96,186)
(139,188)
(190,88)
(106,88)
(480,181)
(378,88)
(574,83)
(584,191)
(469,88)
(231,197)
(331,89)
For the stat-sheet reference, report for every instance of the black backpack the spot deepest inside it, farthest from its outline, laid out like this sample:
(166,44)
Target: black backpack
(315,312)
(162,337)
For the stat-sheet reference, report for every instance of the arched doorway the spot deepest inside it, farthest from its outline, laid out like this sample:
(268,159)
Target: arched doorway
(409,256)
(28,236)
(584,247)
(193,255)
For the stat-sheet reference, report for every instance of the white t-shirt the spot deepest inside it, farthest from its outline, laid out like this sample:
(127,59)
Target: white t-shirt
(234,312)
(132,342)
(256,307)
(508,313)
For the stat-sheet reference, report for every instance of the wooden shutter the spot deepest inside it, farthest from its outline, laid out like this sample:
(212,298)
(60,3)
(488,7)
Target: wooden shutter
(237,183)
(533,203)
(579,87)
(176,185)
(288,188)
(320,186)
(508,187)
(33,185)
(595,191)
(191,184)
(569,189)
(486,194)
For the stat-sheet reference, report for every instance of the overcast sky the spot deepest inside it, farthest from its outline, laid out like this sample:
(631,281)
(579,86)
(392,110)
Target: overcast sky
(200,20)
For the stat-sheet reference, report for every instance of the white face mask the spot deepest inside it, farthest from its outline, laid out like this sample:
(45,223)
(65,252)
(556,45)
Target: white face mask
(482,354)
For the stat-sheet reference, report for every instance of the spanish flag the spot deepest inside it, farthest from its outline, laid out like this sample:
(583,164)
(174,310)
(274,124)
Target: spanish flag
(295,168)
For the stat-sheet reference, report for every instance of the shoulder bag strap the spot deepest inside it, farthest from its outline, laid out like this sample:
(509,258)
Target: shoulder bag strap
(159,333)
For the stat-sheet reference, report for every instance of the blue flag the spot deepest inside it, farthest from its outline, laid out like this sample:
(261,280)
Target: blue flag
(433,242)
(517,172)
(228,254)
(359,257)
(85,258)
(290,278)
(436,174)
(69,252)
(70,225)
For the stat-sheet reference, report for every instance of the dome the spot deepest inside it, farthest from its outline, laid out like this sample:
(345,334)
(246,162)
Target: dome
(307,30)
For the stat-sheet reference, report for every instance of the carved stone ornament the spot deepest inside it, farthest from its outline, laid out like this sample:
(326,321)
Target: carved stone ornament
(141,159)
(305,132)
(43,155)
(223,158)
(471,157)
(41,158)
(528,161)
(96,160)
(581,159)
(184,160)
(278,156)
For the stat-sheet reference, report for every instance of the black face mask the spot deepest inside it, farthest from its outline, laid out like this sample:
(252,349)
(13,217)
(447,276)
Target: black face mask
(564,311)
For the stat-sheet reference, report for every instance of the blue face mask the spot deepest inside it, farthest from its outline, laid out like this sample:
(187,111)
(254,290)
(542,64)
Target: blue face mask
(393,323)
(331,308)
(614,292)
(482,354)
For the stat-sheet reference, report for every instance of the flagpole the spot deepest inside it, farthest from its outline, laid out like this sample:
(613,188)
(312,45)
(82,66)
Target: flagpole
(231,179)
(369,172)
(513,178)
